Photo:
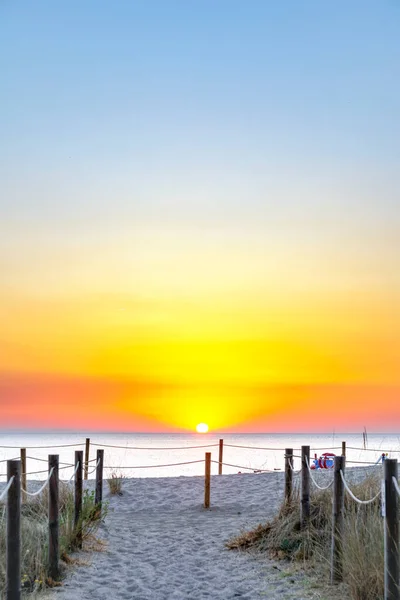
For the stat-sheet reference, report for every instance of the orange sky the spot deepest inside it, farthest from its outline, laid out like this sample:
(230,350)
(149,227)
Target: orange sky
(311,342)
(197,227)
(315,361)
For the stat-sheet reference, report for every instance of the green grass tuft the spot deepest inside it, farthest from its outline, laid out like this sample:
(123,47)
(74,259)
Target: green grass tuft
(34,536)
(283,538)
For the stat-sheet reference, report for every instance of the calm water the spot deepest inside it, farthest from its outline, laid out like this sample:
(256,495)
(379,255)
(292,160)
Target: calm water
(178,450)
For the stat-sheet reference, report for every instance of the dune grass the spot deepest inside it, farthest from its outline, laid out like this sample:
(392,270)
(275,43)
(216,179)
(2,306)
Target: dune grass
(34,535)
(115,483)
(283,538)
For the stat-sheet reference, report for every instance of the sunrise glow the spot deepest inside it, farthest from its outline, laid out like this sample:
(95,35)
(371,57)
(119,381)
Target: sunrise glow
(202,428)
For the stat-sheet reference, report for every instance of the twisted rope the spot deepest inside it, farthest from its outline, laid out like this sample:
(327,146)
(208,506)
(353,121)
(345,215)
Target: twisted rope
(320,487)
(38,472)
(58,446)
(372,449)
(46,460)
(74,473)
(291,467)
(396,485)
(46,470)
(94,468)
(9,484)
(348,490)
(327,448)
(252,447)
(40,490)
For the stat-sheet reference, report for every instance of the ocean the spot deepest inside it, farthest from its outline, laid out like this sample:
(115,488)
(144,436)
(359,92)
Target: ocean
(171,455)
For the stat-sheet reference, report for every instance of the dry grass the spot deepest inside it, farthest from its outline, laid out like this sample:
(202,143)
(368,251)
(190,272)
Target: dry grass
(362,539)
(34,536)
(115,483)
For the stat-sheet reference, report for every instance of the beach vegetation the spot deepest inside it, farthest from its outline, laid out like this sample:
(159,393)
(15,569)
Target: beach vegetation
(363,546)
(34,536)
(115,483)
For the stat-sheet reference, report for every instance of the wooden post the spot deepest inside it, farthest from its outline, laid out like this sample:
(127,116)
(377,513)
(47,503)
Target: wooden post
(207,481)
(13,552)
(337,521)
(391,531)
(78,497)
(343,448)
(87,452)
(99,477)
(305,486)
(23,474)
(221,453)
(288,474)
(54,571)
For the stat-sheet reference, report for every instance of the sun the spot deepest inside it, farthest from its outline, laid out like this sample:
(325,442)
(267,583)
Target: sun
(202,428)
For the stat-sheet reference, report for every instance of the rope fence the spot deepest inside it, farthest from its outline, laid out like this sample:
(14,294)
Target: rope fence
(251,447)
(241,467)
(388,495)
(353,496)
(45,460)
(46,447)
(153,447)
(13,492)
(95,467)
(295,472)
(372,449)
(266,448)
(40,490)
(396,485)
(221,463)
(74,473)
(324,487)
(5,491)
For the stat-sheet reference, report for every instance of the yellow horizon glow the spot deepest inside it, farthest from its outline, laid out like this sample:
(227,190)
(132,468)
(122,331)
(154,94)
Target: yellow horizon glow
(200,345)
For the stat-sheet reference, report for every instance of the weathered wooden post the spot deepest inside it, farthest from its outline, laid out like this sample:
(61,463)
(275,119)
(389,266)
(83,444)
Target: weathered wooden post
(207,481)
(99,477)
(391,530)
(288,474)
(220,457)
(337,520)
(54,571)
(13,552)
(343,448)
(87,452)
(23,474)
(78,497)
(305,486)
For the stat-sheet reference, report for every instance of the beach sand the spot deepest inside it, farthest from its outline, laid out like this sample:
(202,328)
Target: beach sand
(161,544)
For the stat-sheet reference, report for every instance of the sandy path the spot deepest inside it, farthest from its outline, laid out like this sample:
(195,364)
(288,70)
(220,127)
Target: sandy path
(163,545)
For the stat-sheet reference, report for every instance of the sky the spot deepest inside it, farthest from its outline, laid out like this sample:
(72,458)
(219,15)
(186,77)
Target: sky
(199,215)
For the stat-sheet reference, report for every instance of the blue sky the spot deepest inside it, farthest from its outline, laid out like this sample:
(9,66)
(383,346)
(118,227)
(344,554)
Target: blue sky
(203,101)
(258,119)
